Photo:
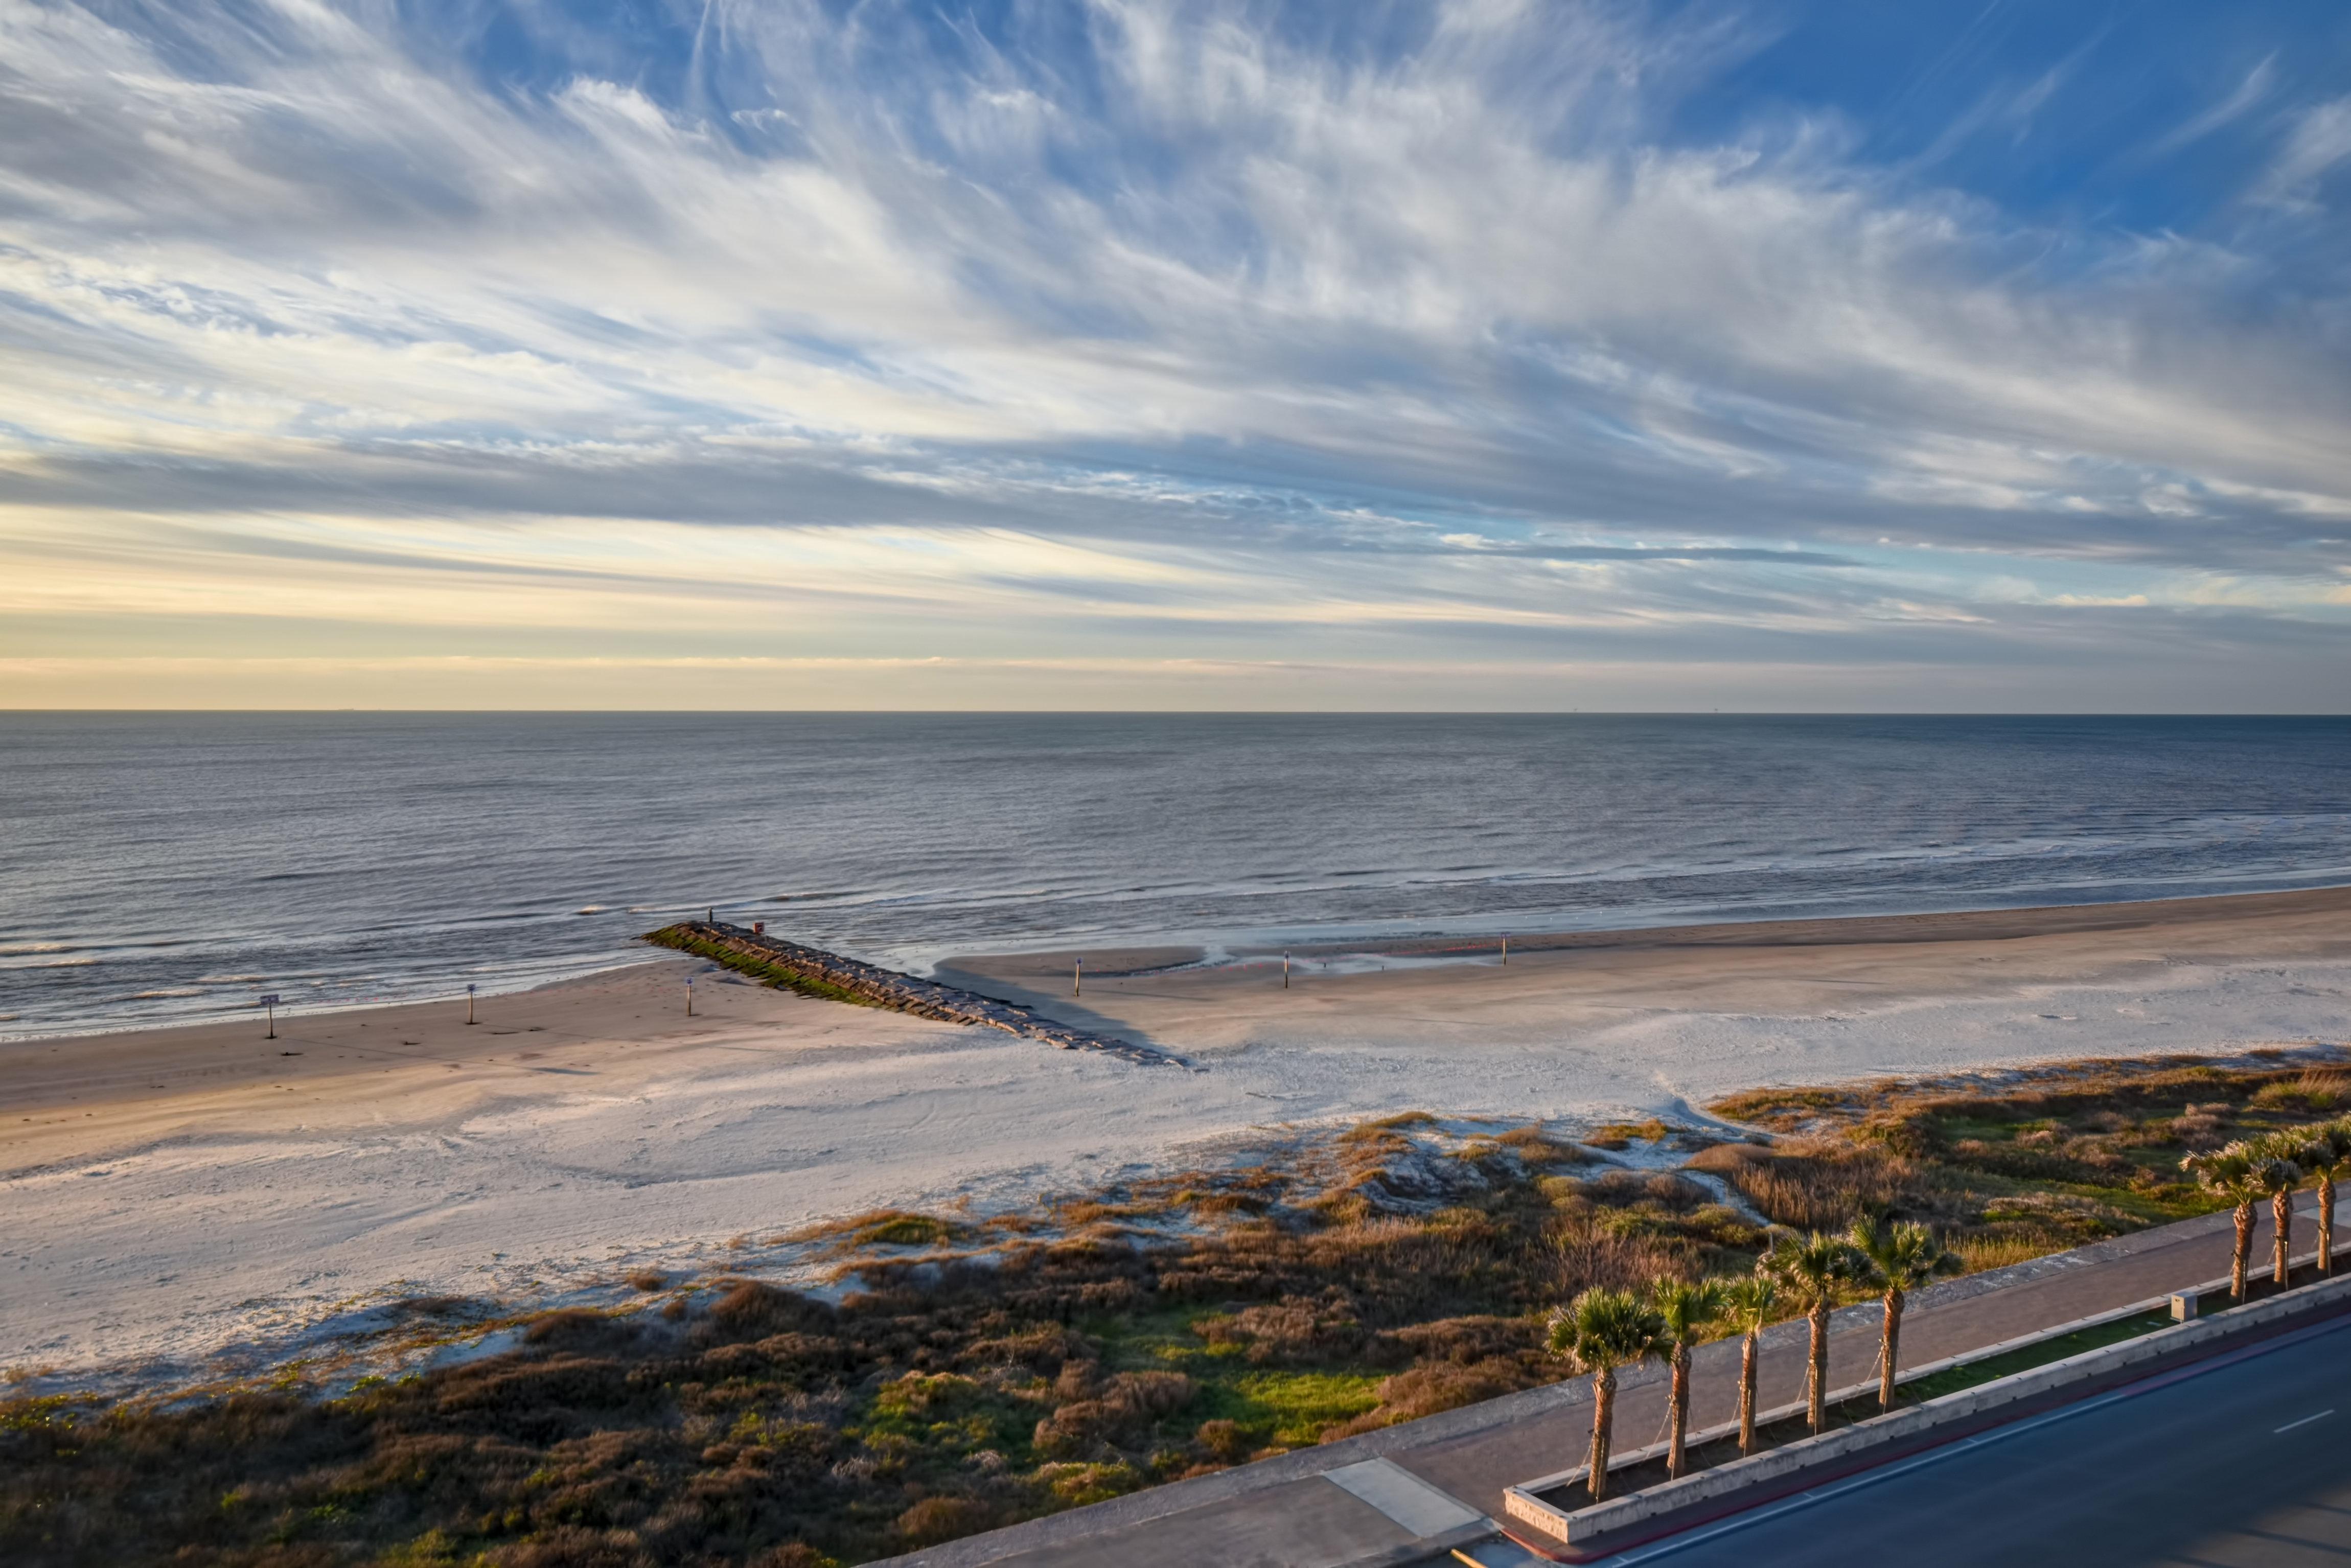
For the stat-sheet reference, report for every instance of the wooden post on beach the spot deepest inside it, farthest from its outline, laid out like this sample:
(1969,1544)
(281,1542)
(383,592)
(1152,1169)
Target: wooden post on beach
(270,1002)
(1285,970)
(1078,978)
(689,996)
(1506,948)
(469,1004)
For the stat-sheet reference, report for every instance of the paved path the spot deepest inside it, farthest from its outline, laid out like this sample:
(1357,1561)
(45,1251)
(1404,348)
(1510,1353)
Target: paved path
(1285,1512)
(2237,1463)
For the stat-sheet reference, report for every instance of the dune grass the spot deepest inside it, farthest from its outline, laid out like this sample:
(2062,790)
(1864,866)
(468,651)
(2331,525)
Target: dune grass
(990,1369)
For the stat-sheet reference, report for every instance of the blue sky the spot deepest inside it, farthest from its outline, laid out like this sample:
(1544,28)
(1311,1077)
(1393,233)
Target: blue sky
(1492,354)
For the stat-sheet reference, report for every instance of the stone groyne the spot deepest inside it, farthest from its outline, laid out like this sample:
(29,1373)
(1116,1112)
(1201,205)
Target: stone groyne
(813,972)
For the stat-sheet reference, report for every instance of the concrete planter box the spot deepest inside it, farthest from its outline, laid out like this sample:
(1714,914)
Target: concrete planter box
(1790,1467)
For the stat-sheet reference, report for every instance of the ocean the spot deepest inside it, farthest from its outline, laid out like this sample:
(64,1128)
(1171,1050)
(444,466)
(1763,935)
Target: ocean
(156,868)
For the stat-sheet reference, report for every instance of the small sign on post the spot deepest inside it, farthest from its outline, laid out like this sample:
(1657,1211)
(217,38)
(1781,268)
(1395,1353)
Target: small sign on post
(270,1002)
(469,1004)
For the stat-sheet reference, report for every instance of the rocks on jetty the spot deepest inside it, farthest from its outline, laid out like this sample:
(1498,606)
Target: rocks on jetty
(817,973)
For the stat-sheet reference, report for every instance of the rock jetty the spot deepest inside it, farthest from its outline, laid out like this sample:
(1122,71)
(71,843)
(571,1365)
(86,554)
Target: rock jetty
(813,972)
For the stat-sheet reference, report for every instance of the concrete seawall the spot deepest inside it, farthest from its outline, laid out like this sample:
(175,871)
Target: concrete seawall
(815,972)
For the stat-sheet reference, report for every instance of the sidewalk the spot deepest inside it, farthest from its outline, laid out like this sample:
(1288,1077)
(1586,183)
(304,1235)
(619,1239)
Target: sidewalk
(1288,1511)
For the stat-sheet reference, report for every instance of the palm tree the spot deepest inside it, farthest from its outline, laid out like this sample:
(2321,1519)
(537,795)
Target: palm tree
(2277,1172)
(1683,1312)
(1898,1259)
(1810,1268)
(1601,1330)
(2228,1175)
(2326,1150)
(1749,1303)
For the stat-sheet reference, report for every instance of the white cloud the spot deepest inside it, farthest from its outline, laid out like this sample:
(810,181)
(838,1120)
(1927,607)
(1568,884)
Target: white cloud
(1196,328)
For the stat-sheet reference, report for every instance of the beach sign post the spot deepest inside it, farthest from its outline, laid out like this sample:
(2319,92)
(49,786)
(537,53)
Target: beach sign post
(469,1003)
(689,996)
(270,1002)
(1506,948)
(1078,978)
(1285,969)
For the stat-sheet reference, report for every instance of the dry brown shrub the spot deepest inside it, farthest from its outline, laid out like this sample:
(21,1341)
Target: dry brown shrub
(1811,1183)
(1463,1340)
(648,1280)
(938,1519)
(1121,1414)
(579,1328)
(791,1554)
(1294,1331)
(754,1309)
(1428,1390)
(1589,1258)
(2198,1130)
(571,1546)
(1043,1350)
(1224,1440)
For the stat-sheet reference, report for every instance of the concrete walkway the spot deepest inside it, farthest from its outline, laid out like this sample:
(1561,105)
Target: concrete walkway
(1289,1511)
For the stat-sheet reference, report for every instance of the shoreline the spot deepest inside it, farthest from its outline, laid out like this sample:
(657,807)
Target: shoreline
(1992,924)
(189,1192)
(1136,953)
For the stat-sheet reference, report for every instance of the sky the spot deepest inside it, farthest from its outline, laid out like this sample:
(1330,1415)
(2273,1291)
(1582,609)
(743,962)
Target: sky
(1493,354)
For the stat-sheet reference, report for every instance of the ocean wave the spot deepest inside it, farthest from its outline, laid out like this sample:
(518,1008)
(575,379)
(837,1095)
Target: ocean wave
(17,949)
(157,996)
(60,964)
(590,909)
(230,979)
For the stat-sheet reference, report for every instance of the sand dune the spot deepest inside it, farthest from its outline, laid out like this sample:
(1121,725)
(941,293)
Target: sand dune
(199,1198)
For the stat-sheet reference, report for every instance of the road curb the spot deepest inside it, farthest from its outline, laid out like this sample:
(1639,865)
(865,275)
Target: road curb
(1765,1476)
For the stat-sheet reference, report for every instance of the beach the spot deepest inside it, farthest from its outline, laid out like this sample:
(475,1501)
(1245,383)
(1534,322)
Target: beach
(201,1200)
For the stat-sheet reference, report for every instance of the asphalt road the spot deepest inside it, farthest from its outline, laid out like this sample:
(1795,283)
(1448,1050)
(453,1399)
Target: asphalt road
(2240,1463)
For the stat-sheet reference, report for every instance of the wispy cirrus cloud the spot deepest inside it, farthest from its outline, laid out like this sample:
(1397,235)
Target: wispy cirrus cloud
(1247,332)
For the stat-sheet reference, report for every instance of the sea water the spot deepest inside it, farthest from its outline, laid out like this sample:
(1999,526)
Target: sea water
(168,867)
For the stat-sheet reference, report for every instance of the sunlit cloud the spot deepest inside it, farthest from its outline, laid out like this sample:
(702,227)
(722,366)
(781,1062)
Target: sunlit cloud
(1271,336)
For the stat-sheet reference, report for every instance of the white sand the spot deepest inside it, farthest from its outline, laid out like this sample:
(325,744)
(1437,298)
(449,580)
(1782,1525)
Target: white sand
(190,1200)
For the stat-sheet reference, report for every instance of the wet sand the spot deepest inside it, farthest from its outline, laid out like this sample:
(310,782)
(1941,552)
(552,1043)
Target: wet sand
(1558,986)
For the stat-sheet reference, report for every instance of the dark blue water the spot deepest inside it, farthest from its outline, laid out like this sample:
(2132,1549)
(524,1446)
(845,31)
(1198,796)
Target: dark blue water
(156,867)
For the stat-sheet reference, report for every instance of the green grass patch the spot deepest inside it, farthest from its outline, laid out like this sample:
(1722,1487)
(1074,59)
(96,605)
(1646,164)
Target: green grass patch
(1284,1408)
(2025,1358)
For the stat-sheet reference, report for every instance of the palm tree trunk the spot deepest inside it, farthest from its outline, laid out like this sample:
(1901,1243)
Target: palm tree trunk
(1816,1377)
(2325,1224)
(1680,1399)
(2244,1250)
(1604,1418)
(1889,1349)
(1747,1392)
(2282,1214)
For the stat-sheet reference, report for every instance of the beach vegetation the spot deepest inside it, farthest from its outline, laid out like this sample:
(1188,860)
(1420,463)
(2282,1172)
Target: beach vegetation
(963,1372)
